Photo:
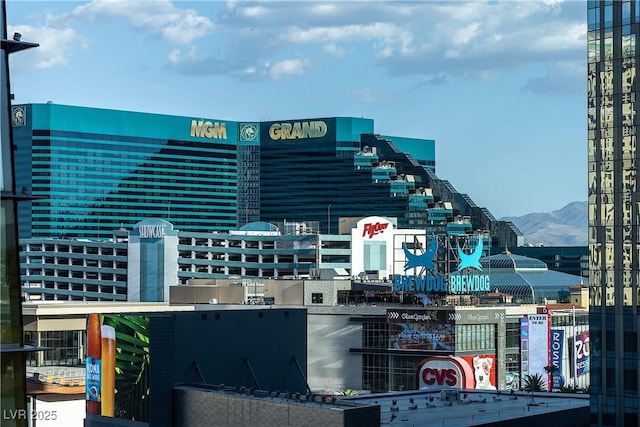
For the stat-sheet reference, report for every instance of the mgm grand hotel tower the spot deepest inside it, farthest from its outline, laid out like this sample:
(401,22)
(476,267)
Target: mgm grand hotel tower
(614,211)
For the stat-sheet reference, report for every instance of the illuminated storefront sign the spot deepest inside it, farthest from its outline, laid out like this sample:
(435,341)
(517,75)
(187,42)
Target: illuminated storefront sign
(539,337)
(371,229)
(151,231)
(298,130)
(207,129)
(117,366)
(435,284)
(557,343)
(582,353)
(455,283)
(445,372)
(432,330)
(425,260)
(441,333)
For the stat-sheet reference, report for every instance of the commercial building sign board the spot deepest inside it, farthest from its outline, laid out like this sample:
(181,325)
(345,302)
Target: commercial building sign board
(468,278)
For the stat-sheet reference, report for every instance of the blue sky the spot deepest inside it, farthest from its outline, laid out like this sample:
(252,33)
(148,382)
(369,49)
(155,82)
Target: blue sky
(500,85)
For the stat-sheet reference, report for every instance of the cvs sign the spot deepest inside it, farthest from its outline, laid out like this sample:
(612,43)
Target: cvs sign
(444,372)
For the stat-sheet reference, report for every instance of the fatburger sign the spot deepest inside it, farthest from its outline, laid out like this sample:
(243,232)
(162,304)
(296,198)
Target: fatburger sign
(445,372)
(373,228)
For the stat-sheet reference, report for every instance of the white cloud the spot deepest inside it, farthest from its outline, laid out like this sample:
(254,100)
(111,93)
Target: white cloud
(287,67)
(55,46)
(467,33)
(334,50)
(370,96)
(571,36)
(256,11)
(448,39)
(155,17)
(176,56)
(373,31)
(327,9)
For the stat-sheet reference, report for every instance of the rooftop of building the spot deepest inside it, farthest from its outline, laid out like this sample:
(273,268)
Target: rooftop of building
(467,407)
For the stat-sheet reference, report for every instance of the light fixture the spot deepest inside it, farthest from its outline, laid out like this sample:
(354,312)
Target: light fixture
(17,36)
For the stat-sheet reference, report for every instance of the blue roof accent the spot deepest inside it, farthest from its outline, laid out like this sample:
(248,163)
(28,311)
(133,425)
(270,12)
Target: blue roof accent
(259,226)
(528,280)
(507,260)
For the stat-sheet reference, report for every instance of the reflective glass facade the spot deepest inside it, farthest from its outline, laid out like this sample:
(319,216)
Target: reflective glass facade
(94,170)
(614,211)
(315,170)
(13,400)
(323,169)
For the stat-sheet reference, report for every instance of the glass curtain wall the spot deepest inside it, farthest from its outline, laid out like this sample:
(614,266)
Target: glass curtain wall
(614,210)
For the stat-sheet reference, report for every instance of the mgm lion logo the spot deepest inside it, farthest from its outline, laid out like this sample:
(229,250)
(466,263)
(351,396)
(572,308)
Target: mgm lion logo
(18,116)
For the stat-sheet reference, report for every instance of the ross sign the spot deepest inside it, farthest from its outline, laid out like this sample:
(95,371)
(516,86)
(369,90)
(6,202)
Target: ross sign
(557,344)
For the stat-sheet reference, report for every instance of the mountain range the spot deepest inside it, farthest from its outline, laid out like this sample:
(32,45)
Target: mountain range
(564,227)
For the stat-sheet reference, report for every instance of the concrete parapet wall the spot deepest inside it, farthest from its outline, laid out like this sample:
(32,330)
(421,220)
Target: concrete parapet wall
(202,408)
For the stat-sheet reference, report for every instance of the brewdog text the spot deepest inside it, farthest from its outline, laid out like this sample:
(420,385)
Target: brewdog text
(442,284)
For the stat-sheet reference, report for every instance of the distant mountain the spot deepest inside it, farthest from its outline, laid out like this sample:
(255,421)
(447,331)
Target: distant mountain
(564,227)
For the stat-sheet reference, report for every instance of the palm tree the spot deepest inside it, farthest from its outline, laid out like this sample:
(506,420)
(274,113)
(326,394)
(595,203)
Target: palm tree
(533,383)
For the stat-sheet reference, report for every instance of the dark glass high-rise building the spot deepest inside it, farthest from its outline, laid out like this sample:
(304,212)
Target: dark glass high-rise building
(614,211)
(315,169)
(13,399)
(324,169)
(94,170)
